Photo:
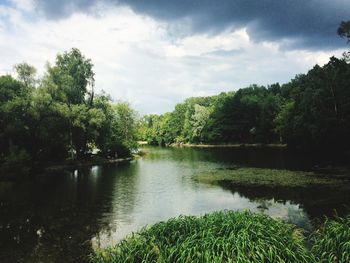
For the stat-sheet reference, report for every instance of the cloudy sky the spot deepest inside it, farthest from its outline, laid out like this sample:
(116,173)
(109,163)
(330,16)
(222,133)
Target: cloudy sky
(156,53)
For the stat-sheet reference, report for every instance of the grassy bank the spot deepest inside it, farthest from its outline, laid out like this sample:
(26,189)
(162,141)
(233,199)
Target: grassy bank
(231,237)
(271,178)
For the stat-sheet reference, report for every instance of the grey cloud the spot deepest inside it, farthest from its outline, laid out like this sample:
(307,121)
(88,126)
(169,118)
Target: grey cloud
(225,53)
(309,24)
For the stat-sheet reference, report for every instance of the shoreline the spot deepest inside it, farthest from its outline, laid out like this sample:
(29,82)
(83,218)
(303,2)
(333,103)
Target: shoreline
(233,145)
(50,167)
(83,163)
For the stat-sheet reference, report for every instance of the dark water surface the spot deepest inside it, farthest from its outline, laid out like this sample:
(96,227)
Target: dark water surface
(61,217)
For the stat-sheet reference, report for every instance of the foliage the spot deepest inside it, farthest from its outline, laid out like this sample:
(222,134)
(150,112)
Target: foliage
(60,116)
(331,243)
(311,112)
(283,118)
(14,114)
(231,237)
(200,119)
(17,160)
(73,74)
(125,124)
(321,112)
(26,74)
(217,237)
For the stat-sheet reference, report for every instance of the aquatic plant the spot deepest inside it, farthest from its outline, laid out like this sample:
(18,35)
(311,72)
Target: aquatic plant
(247,176)
(218,237)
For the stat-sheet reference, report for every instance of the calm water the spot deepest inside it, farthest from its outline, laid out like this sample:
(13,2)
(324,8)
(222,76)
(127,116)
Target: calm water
(61,217)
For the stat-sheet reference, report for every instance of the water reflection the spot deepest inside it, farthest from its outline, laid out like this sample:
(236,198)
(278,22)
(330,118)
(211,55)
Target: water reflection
(316,201)
(199,201)
(52,218)
(60,217)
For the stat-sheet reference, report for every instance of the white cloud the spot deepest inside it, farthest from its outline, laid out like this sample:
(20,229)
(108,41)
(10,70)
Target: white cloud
(198,45)
(136,59)
(24,5)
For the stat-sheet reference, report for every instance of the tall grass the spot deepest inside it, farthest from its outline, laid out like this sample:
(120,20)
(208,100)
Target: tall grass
(217,237)
(231,237)
(331,243)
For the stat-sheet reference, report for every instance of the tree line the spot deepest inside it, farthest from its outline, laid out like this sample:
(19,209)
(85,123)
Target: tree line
(60,116)
(310,112)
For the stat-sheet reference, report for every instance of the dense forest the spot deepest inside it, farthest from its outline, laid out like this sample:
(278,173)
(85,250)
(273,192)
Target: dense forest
(311,112)
(59,116)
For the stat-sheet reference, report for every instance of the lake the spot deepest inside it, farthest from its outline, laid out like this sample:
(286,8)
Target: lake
(63,216)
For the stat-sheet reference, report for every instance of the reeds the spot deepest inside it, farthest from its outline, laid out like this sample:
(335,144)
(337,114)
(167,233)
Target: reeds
(331,243)
(217,237)
(229,236)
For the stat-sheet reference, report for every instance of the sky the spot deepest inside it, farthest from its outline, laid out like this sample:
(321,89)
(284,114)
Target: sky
(156,53)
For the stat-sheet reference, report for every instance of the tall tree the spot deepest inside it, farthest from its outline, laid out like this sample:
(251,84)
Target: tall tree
(199,121)
(15,122)
(125,123)
(73,74)
(26,74)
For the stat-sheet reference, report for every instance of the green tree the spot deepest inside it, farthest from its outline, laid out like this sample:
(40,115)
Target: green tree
(26,74)
(59,116)
(125,123)
(14,108)
(283,120)
(71,81)
(199,121)
(14,122)
(73,74)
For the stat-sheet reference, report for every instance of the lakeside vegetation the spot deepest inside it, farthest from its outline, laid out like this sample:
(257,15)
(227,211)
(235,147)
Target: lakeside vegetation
(60,117)
(248,176)
(331,242)
(311,112)
(231,237)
